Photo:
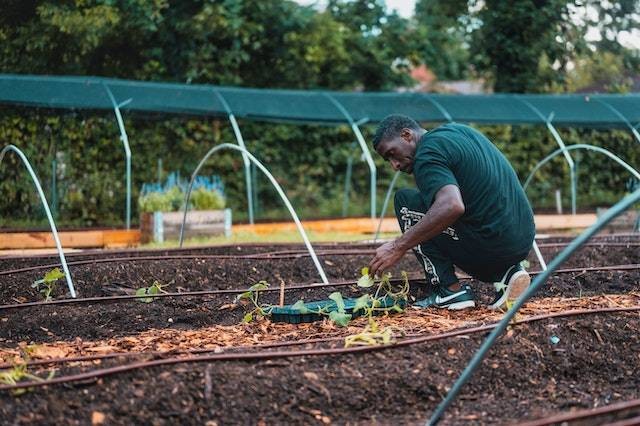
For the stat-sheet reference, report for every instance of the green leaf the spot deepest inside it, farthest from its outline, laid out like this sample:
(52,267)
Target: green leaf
(53,275)
(245,295)
(337,297)
(397,308)
(340,318)
(365,281)
(247,317)
(300,306)
(364,271)
(362,302)
(262,285)
(143,292)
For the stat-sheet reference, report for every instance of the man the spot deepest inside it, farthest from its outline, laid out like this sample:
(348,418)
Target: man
(469,210)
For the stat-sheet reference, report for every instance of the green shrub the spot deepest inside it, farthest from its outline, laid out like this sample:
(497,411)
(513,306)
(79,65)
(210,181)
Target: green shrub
(203,199)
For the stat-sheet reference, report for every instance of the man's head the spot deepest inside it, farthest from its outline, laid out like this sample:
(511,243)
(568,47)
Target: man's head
(396,140)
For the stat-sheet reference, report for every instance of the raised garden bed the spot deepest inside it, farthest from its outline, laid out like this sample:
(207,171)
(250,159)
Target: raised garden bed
(527,376)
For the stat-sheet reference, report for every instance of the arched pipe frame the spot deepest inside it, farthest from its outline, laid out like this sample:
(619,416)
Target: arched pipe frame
(247,164)
(127,150)
(45,204)
(565,152)
(622,117)
(363,146)
(588,147)
(476,360)
(275,184)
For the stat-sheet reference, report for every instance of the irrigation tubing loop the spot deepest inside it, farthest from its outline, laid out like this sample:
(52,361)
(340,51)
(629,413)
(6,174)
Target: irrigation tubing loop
(275,184)
(476,360)
(45,204)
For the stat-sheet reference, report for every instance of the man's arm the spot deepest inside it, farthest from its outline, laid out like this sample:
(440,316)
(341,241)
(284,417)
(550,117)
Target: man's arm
(445,210)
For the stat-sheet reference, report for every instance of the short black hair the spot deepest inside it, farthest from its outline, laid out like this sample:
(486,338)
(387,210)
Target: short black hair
(391,126)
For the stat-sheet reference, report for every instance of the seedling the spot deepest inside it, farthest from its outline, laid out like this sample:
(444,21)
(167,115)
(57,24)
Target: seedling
(252,295)
(372,333)
(47,284)
(19,372)
(155,288)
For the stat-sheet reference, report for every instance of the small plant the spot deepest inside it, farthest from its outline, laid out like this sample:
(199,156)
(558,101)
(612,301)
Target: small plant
(252,295)
(18,373)
(155,288)
(372,333)
(47,284)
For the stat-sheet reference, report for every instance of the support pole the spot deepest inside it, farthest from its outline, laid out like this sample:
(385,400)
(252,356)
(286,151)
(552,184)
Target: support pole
(245,159)
(47,211)
(555,153)
(363,146)
(565,152)
(440,108)
(275,184)
(617,209)
(611,108)
(127,151)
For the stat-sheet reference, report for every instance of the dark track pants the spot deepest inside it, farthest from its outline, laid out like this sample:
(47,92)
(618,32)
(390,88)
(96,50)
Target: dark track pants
(457,246)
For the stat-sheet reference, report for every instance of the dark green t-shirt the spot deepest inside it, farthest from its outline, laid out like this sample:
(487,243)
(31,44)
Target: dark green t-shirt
(497,211)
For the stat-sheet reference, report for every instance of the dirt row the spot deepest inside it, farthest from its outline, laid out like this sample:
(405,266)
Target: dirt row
(527,375)
(124,277)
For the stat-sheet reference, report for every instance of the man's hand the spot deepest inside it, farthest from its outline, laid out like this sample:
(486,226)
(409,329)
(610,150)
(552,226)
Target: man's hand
(386,256)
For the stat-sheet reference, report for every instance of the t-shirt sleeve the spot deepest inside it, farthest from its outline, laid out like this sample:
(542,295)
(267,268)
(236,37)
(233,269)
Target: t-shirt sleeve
(432,171)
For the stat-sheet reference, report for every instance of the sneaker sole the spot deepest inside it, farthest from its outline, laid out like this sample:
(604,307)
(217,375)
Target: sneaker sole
(461,305)
(518,283)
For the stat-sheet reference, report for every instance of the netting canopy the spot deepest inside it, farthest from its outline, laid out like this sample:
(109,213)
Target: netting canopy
(324,107)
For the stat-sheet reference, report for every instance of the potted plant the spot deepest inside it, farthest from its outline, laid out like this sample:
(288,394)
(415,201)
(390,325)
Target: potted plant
(161,209)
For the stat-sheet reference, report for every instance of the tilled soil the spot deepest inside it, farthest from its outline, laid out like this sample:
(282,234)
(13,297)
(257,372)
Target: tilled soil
(595,363)
(124,277)
(100,320)
(525,376)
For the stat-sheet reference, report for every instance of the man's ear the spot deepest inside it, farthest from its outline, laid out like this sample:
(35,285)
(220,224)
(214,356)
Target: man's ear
(406,134)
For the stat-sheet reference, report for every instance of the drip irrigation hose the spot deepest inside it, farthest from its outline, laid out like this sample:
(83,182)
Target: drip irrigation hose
(283,254)
(583,414)
(604,241)
(257,256)
(252,356)
(476,360)
(412,278)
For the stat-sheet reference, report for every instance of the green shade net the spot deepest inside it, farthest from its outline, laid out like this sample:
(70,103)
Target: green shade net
(299,106)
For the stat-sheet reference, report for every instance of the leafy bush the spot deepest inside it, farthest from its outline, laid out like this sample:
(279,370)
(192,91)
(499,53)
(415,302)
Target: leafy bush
(203,199)
(207,194)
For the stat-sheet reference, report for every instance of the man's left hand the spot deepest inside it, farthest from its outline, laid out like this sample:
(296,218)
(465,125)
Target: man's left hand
(386,256)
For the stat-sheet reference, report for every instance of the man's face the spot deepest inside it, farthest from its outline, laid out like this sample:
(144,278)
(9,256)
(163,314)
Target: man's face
(399,151)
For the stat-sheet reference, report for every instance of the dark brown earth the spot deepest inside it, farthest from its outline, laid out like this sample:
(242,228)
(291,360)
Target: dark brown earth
(100,320)
(524,377)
